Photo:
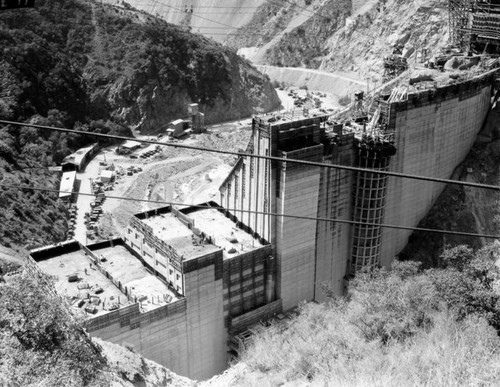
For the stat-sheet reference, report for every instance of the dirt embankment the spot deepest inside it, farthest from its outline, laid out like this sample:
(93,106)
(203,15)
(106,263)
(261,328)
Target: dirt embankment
(420,25)
(338,84)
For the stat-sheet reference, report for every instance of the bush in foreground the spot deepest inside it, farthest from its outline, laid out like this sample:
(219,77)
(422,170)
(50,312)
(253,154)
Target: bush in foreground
(399,327)
(40,342)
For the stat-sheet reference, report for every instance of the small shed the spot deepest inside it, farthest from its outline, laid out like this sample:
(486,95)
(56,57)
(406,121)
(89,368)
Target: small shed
(107,176)
(177,126)
(67,185)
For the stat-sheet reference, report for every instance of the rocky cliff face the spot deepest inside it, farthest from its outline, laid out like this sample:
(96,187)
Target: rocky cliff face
(371,33)
(325,34)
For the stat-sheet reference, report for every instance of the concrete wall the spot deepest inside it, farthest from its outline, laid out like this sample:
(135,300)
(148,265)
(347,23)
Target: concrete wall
(159,335)
(249,185)
(157,254)
(186,336)
(206,336)
(432,138)
(333,240)
(245,279)
(296,238)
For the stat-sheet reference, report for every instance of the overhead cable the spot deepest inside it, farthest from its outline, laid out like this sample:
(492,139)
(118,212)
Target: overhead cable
(272,158)
(195,15)
(274,214)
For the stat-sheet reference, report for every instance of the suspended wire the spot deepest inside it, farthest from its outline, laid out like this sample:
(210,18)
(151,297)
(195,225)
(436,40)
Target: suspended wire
(223,25)
(201,6)
(343,221)
(305,9)
(274,214)
(194,15)
(244,154)
(187,10)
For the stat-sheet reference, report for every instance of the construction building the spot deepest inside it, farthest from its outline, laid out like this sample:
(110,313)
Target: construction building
(178,128)
(78,160)
(67,186)
(128,147)
(177,287)
(193,123)
(197,118)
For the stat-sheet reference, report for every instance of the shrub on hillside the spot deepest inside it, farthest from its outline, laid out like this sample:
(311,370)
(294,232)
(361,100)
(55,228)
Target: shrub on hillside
(399,327)
(40,342)
(345,100)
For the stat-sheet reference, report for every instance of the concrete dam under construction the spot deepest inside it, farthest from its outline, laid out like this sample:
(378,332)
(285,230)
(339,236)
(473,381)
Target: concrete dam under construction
(188,287)
(426,133)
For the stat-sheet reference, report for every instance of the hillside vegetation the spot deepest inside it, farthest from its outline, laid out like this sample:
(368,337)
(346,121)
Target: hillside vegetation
(41,344)
(400,327)
(94,67)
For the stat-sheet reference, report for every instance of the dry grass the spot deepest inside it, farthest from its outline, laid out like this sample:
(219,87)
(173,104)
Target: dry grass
(322,346)
(395,330)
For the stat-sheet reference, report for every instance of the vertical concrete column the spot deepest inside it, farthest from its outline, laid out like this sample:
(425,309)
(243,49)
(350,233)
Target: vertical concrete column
(333,239)
(370,191)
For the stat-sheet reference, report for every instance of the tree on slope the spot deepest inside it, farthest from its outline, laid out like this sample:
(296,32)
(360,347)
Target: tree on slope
(467,284)
(399,327)
(40,342)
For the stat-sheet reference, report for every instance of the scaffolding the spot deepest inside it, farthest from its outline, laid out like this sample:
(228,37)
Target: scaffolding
(370,192)
(475,25)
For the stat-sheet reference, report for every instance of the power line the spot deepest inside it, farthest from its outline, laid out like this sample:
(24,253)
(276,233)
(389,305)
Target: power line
(274,214)
(305,9)
(194,15)
(187,11)
(272,158)
(201,6)
(228,33)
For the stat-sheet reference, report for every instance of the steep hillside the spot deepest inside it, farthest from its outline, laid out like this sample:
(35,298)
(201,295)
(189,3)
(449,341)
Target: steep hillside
(325,34)
(277,30)
(152,70)
(367,37)
(322,34)
(83,65)
(106,62)
(41,344)
(305,44)
(212,18)
(291,33)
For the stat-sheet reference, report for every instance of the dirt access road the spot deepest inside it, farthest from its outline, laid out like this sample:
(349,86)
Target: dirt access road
(171,175)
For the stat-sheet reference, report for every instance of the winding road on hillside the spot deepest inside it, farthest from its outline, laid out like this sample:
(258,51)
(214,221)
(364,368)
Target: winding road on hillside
(339,84)
(266,68)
